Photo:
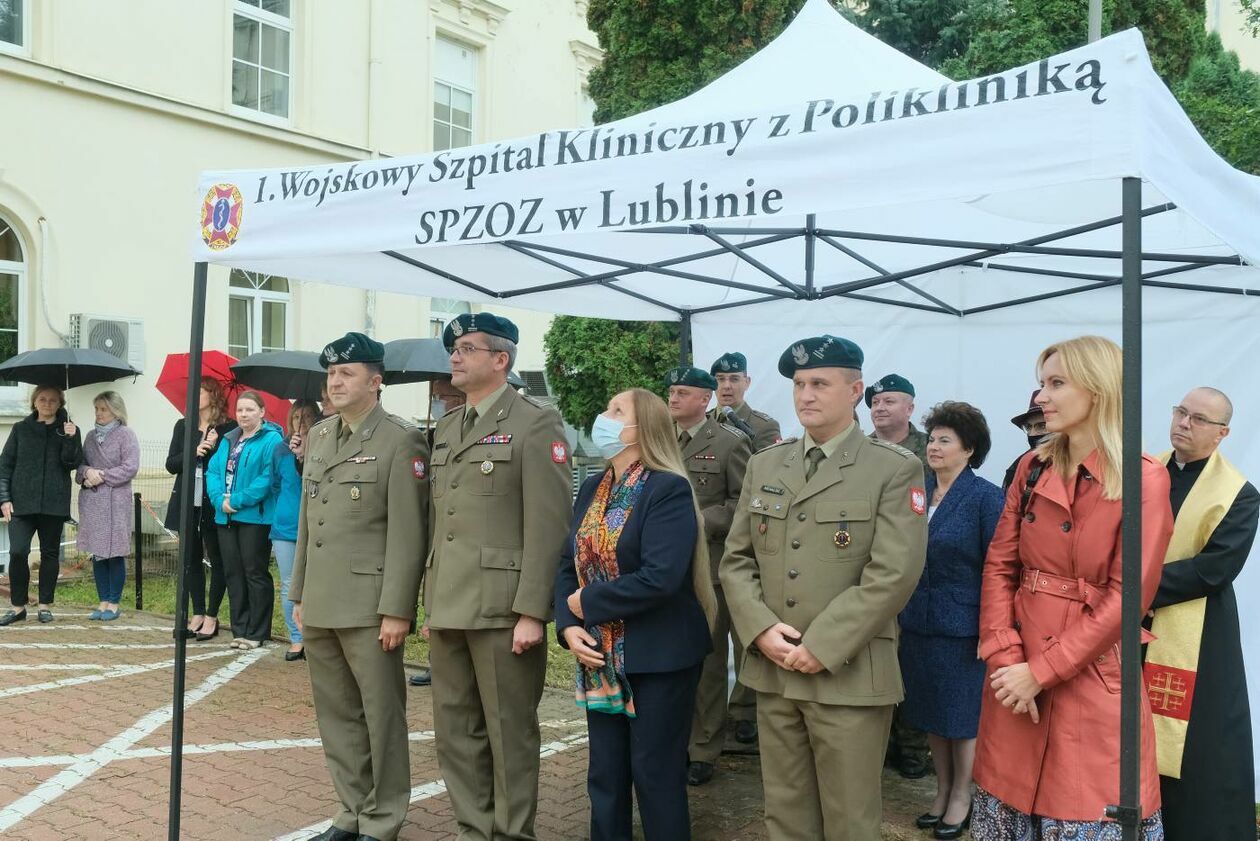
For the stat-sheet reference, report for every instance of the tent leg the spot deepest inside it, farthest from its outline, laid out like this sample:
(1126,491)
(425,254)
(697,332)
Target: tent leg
(1129,811)
(811,241)
(684,339)
(190,495)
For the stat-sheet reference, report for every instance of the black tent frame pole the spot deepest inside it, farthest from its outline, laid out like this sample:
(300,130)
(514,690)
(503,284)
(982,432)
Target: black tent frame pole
(190,495)
(684,338)
(1129,811)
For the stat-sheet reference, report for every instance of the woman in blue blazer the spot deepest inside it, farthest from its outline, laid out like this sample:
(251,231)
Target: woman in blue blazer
(940,624)
(634,603)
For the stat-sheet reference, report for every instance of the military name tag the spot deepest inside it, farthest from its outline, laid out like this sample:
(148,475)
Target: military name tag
(496,439)
(487,467)
(703,457)
(354,492)
(771,489)
(843,538)
(361,459)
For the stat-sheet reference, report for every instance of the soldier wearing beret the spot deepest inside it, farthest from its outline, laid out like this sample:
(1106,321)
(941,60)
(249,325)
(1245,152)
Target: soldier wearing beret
(362,534)
(827,545)
(731,373)
(715,456)
(501,508)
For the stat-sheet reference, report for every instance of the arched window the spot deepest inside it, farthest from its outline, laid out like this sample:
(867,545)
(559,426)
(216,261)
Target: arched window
(12,283)
(258,313)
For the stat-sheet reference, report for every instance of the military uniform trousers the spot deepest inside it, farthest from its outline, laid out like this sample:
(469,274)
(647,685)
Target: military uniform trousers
(821,767)
(708,726)
(485,706)
(361,708)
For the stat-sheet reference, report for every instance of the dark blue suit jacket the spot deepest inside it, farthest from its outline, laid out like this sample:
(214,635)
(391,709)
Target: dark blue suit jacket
(665,627)
(947,600)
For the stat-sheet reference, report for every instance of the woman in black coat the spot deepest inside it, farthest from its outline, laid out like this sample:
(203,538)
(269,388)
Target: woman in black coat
(212,425)
(635,604)
(43,450)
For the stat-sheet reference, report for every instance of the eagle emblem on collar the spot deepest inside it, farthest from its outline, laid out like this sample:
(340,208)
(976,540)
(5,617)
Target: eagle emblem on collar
(799,355)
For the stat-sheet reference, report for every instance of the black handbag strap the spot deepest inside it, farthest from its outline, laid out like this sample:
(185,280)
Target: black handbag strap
(1033,475)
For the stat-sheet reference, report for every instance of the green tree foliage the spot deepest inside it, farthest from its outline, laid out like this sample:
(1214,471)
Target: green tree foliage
(590,359)
(1223,101)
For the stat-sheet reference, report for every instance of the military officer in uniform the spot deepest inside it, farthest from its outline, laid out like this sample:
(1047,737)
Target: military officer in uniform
(828,542)
(731,372)
(501,501)
(362,536)
(891,401)
(715,456)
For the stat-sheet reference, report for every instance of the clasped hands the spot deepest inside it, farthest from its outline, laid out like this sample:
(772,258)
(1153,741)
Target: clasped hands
(93,477)
(1016,689)
(781,643)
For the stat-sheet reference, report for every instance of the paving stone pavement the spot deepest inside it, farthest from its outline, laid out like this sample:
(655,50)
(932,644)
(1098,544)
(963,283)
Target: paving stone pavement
(85,708)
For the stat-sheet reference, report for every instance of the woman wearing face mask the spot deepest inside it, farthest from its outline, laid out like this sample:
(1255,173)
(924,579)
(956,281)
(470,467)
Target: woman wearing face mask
(635,603)
(1048,752)
(111,458)
(239,481)
(35,466)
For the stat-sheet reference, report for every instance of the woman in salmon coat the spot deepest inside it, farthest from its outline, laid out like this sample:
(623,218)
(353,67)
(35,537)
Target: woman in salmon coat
(1048,751)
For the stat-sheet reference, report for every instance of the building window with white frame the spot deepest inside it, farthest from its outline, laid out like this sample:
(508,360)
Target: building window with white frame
(12,276)
(13,23)
(258,313)
(442,311)
(454,94)
(262,54)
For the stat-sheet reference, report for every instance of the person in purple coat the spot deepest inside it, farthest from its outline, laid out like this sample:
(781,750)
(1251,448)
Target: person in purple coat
(111,454)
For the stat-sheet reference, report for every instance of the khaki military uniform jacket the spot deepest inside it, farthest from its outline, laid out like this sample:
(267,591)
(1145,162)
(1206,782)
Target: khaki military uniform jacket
(501,503)
(765,429)
(716,458)
(836,558)
(362,525)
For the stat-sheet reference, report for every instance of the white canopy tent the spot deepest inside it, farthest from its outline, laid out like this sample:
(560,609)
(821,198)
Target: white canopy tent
(828,184)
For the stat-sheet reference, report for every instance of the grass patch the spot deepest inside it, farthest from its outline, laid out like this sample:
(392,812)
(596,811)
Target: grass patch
(159,597)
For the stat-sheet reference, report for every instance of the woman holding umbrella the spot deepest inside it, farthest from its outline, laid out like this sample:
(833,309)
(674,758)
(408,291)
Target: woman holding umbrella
(42,451)
(212,424)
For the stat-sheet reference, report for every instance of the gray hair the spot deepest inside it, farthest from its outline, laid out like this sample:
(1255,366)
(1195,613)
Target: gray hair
(114,401)
(502,345)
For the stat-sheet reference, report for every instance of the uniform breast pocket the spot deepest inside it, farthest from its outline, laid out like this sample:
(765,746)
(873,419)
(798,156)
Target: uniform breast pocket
(492,464)
(768,523)
(706,479)
(357,484)
(437,471)
(847,527)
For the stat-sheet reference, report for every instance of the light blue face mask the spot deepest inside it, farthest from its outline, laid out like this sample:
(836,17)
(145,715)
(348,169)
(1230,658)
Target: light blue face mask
(606,433)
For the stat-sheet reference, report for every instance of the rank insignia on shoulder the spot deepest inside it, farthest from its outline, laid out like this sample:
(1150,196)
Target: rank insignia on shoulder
(771,489)
(496,439)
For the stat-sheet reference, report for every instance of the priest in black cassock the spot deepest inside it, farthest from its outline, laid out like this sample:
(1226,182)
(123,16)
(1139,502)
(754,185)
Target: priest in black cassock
(1194,668)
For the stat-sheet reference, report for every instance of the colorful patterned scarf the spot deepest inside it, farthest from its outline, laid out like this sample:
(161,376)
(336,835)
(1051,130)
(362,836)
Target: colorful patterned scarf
(606,689)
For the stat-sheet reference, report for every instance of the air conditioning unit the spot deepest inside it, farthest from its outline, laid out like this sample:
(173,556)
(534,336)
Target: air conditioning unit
(116,335)
(536,386)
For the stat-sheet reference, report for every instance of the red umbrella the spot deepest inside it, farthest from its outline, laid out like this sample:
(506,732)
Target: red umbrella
(215,364)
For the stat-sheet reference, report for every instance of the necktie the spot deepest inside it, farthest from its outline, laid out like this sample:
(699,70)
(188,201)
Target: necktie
(470,418)
(344,437)
(814,457)
(684,439)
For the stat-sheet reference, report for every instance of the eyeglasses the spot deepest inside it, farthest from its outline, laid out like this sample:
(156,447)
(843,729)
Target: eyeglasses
(1181,413)
(1035,428)
(464,350)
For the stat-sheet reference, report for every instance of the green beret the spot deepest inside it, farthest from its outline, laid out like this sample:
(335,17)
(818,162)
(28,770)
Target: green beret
(352,347)
(730,363)
(694,377)
(892,382)
(480,322)
(820,352)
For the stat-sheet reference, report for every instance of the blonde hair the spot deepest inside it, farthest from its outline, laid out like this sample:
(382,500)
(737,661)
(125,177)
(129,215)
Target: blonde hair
(114,401)
(658,450)
(1094,364)
(40,389)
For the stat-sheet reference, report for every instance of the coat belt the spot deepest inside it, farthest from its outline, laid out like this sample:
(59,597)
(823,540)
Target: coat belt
(1073,589)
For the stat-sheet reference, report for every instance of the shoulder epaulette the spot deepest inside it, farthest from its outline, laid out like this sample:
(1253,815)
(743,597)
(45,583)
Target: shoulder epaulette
(323,421)
(402,422)
(535,402)
(738,433)
(896,448)
(780,443)
(763,416)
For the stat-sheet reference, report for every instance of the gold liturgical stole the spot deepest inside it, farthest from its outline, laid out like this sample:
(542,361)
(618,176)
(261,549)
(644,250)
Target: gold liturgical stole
(1172,660)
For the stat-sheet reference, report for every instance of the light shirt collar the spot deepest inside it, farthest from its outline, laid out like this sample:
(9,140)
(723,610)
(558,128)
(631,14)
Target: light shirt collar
(833,444)
(489,401)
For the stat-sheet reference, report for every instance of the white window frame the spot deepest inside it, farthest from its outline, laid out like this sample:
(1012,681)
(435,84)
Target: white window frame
(16,394)
(479,59)
(23,49)
(256,297)
(438,319)
(270,19)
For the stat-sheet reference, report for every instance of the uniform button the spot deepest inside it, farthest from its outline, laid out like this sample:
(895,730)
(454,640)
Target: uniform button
(321,521)
(511,563)
(459,458)
(791,602)
(450,537)
(801,516)
(319,544)
(1067,527)
(324,500)
(844,513)
(356,475)
(454,485)
(792,573)
(380,567)
(450,511)
(796,544)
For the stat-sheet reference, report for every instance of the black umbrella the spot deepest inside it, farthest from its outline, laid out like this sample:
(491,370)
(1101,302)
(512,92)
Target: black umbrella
(422,360)
(293,374)
(65,367)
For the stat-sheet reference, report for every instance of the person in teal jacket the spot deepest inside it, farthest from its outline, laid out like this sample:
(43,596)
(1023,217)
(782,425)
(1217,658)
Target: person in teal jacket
(239,480)
(286,487)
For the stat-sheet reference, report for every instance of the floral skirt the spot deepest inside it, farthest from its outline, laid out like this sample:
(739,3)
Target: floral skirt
(993,820)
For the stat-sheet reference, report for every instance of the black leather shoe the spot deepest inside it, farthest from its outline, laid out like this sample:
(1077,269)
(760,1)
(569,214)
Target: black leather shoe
(699,773)
(202,636)
(746,732)
(949,831)
(11,616)
(45,616)
(912,767)
(422,677)
(335,834)
(290,656)
(927,820)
